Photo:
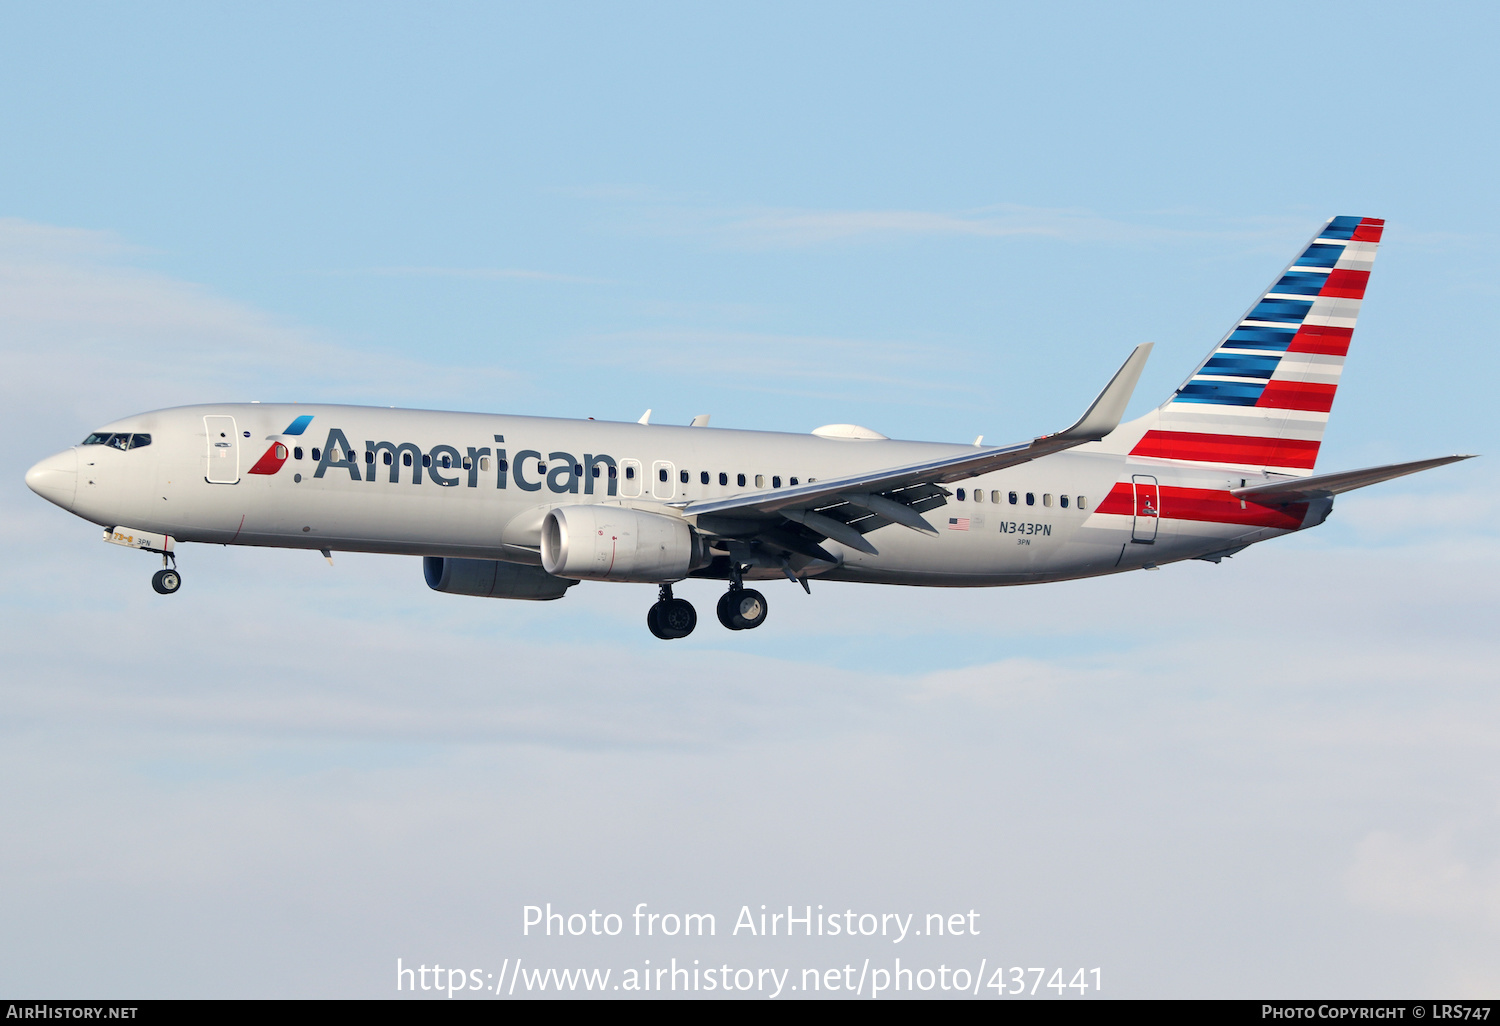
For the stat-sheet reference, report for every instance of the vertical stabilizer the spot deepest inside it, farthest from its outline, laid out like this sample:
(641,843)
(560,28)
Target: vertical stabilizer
(1261,399)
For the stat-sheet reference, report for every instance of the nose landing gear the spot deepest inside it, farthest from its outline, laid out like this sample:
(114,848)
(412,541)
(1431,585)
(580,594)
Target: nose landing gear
(671,618)
(167,580)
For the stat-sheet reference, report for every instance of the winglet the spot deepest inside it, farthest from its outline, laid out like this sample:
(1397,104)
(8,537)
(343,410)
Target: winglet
(645,418)
(1104,415)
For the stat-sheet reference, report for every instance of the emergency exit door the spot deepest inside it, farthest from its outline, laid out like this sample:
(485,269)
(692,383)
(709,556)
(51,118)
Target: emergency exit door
(1147,509)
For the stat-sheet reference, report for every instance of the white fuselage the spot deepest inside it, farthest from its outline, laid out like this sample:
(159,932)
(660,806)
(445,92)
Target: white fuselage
(478,486)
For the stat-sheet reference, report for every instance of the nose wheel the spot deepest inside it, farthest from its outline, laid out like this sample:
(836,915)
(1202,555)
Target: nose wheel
(742,609)
(671,618)
(167,580)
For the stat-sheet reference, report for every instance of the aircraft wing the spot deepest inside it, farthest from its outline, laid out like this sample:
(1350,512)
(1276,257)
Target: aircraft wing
(875,498)
(1300,489)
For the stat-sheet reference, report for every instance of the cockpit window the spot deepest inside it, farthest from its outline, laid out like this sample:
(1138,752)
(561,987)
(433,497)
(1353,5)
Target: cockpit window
(119,440)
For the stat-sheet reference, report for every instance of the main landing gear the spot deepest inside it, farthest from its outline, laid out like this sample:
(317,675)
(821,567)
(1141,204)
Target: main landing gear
(670,617)
(167,580)
(740,609)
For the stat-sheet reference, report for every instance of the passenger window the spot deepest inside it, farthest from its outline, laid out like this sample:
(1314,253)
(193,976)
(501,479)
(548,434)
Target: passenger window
(661,475)
(386,455)
(703,477)
(503,466)
(741,479)
(1012,498)
(297,453)
(578,470)
(776,481)
(760,480)
(1080,502)
(468,463)
(1046,498)
(960,495)
(316,455)
(447,462)
(629,473)
(613,473)
(426,459)
(1031,498)
(596,470)
(723,478)
(683,476)
(370,456)
(1062,500)
(792,482)
(484,463)
(995,496)
(978,495)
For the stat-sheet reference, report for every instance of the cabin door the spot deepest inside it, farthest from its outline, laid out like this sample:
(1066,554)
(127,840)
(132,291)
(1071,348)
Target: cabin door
(1147,509)
(223,451)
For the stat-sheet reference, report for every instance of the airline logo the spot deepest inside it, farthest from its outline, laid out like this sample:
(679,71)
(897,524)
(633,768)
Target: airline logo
(273,458)
(1262,398)
(449,467)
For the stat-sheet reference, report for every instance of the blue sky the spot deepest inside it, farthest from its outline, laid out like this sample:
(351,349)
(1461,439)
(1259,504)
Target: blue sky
(1273,776)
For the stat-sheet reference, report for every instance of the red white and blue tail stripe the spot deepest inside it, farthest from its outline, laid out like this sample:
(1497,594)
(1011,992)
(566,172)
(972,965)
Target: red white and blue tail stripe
(1261,399)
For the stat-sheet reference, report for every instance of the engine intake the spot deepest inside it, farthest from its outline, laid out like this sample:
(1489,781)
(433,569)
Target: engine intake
(492,578)
(616,543)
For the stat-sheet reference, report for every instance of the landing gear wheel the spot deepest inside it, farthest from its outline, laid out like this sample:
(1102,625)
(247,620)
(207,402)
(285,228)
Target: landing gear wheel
(679,617)
(742,609)
(725,609)
(166,582)
(673,618)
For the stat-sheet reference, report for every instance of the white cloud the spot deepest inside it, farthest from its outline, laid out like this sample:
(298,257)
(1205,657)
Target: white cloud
(1427,877)
(132,339)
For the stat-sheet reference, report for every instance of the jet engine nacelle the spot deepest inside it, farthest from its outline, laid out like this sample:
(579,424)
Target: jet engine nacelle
(492,578)
(616,543)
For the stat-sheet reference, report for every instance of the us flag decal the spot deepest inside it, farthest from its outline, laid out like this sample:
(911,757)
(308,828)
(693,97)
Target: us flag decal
(958,523)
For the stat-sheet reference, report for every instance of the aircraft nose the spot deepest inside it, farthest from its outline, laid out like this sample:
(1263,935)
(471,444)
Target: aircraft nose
(56,478)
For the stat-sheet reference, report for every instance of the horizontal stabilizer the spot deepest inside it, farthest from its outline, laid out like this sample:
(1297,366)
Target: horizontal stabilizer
(1304,488)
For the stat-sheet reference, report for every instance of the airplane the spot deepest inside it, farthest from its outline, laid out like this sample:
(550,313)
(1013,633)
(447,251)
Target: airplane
(526,507)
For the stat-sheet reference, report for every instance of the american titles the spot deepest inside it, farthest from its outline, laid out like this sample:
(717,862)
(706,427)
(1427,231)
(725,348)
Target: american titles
(446,466)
